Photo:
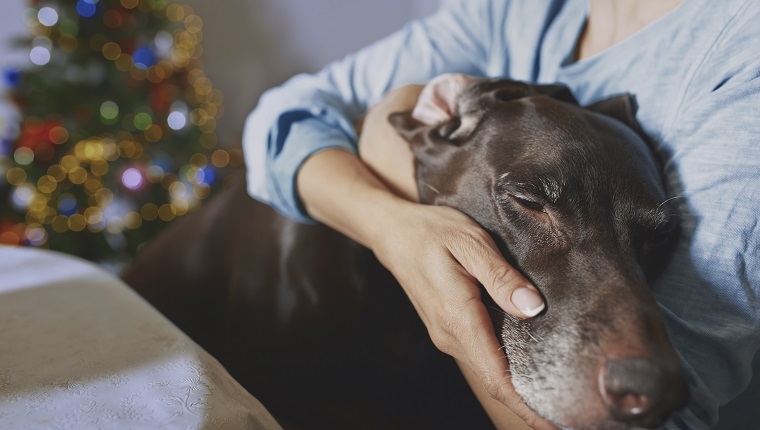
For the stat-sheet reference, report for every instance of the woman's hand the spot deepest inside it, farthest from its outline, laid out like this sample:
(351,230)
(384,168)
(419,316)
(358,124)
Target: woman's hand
(440,264)
(439,255)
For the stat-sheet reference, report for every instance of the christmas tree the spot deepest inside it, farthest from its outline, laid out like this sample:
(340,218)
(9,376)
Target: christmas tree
(116,132)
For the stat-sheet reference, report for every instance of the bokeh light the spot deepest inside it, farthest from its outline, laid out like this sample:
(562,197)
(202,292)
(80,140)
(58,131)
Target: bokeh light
(15,176)
(36,235)
(39,55)
(109,110)
(111,164)
(47,16)
(77,222)
(86,8)
(206,175)
(143,120)
(113,19)
(23,156)
(129,4)
(58,135)
(67,204)
(12,77)
(154,173)
(176,120)
(144,58)
(69,27)
(132,178)
(111,51)
(164,43)
(220,158)
(22,196)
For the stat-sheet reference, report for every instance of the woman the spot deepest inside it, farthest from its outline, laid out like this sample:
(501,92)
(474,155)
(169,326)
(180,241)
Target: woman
(693,68)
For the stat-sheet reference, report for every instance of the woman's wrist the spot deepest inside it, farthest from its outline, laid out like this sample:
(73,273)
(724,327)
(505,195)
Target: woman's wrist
(338,190)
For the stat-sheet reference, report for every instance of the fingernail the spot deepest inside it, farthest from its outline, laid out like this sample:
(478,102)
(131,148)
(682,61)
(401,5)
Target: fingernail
(528,301)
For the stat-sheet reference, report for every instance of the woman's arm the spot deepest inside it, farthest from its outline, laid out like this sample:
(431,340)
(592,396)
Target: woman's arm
(300,148)
(382,150)
(438,254)
(316,112)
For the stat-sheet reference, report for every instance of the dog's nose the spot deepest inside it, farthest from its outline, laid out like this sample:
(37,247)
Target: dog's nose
(642,391)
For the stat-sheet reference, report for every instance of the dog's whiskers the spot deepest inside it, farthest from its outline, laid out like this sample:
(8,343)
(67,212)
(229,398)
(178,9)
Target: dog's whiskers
(431,188)
(670,199)
(526,377)
(500,311)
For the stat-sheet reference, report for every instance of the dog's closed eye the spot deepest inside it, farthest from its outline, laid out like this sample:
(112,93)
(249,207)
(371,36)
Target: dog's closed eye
(520,194)
(528,203)
(661,235)
(655,246)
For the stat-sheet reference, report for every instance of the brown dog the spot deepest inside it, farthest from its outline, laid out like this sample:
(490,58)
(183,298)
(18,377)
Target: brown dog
(311,324)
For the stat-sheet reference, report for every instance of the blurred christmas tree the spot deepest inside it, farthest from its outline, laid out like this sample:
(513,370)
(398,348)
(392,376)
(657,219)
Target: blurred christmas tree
(116,136)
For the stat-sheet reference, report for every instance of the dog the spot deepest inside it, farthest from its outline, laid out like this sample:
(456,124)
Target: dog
(313,326)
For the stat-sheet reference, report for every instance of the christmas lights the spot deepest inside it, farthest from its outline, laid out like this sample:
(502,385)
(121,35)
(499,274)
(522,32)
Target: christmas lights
(117,136)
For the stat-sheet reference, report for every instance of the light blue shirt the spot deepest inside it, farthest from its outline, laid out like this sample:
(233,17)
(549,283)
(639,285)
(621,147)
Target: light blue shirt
(695,74)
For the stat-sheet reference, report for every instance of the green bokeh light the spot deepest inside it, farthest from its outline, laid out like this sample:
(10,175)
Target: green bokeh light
(68,26)
(109,110)
(143,121)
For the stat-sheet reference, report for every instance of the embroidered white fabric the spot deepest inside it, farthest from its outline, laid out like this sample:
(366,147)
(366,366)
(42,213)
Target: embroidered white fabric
(80,350)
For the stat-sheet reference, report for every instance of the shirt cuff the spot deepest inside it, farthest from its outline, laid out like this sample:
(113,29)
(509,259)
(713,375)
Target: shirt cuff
(296,136)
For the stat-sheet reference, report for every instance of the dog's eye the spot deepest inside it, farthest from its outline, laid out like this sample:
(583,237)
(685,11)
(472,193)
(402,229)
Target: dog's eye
(529,204)
(661,236)
(656,247)
(656,240)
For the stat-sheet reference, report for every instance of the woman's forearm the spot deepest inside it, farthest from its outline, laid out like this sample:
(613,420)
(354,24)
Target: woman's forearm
(337,189)
(353,196)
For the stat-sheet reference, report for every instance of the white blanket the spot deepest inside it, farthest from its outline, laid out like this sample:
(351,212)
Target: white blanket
(80,350)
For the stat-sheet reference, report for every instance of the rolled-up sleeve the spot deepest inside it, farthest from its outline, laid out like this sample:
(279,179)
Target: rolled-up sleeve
(315,112)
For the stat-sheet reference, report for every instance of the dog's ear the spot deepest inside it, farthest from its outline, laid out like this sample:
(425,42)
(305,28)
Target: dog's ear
(622,107)
(437,102)
(437,109)
(407,126)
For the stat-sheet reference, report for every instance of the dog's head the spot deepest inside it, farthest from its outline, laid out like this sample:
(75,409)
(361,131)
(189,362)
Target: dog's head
(574,198)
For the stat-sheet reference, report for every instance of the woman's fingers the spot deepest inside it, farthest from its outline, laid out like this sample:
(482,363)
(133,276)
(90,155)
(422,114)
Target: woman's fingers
(439,255)
(506,286)
(463,329)
(479,349)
